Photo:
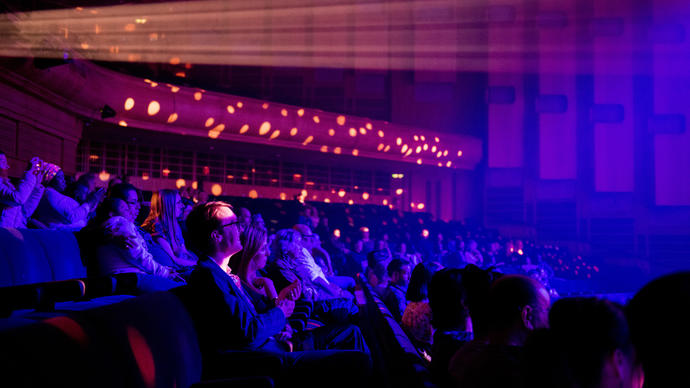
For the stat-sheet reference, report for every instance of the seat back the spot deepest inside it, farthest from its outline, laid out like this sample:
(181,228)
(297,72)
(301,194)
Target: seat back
(147,342)
(35,256)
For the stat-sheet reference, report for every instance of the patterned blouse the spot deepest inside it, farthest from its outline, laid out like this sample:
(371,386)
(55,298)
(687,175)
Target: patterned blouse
(417,321)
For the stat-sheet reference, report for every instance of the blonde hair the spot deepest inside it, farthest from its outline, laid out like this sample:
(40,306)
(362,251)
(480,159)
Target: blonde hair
(163,208)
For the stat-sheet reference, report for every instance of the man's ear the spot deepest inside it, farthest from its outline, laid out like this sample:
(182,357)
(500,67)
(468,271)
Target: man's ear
(216,236)
(526,317)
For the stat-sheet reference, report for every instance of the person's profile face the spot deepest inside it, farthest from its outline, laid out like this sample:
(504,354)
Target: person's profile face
(132,200)
(261,256)
(3,162)
(541,310)
(230,232)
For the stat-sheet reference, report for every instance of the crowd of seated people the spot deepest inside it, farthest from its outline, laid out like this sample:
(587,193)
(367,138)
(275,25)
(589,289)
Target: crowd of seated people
(456,294)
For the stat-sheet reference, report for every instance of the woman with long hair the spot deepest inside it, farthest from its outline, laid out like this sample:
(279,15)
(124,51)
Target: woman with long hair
(162,223)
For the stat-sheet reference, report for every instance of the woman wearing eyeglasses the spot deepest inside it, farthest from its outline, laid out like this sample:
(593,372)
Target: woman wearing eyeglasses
(162,223)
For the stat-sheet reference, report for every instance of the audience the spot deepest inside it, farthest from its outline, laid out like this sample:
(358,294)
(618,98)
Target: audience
(587,345)
(517,306)
(226,317)
(478,327)
(394,295)
(295,263)
(163,225)
(17,203)
(58,211)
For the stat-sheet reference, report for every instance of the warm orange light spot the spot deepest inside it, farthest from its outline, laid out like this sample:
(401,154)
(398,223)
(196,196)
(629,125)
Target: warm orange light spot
(275,134)
(380,133)
(195,185)
(419,161)
(412,205)
(436,139)
(440,164)
(308,140)
(166,172)
(197,96)
(449,163)
(390,206)
(369,126)
(316,119)
(388,147)
(380,147)
(425,147)
(331,132)
(244,129)
(416,138)
(340,120)
(303,193)
(154,84)
(398,141)
(130,27)
(283,112)
(385,202)
(216,189)
(230,177)
(399,191)
(420,206)
(283,196)
(180,74)
(231,109)
(264,128)
(84,45)
(352,132)
(300,112)
(327,200)
(324,148)
(104,176)
(459,153)
(209,122)
(337,150)
(239,104)
(154,108)
(362,131)
(253,194)
(355,152)
(365,196)
(425,233)
(418,149)
(172,118)
(145,176)
(122,123)
(293,131)
(265,105)
(129,103)
(408,153)
(219,128)
(433,149)
(175,60)
(438,154)
(180,183)
(341,193)
(174,89)
(213,134)
(404,149)
(309,183)
(445,152)
(350,202)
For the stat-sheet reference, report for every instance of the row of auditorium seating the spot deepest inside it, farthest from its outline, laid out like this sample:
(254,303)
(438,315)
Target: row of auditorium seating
(398,361)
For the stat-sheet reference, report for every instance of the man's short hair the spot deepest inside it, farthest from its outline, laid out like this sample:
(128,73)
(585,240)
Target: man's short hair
(507,297)
(377,256)
(120,191)
(396,265)
(201,222)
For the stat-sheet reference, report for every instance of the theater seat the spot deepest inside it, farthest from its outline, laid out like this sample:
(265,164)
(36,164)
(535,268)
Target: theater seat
(34,256)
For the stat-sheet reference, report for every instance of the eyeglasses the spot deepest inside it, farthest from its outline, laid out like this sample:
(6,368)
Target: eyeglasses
(230,224)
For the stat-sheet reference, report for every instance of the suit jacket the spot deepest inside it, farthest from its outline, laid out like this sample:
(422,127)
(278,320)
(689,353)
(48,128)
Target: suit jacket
(224,315)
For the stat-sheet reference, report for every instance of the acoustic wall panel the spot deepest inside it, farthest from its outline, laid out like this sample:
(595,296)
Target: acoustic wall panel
(556,103)
(670,45)
(612,120)
(505,94)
